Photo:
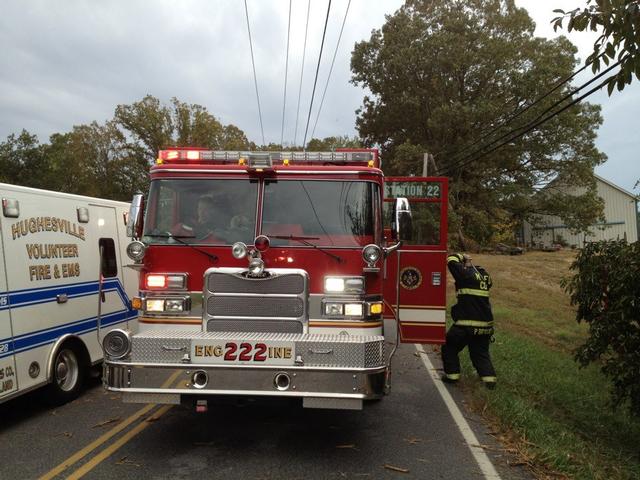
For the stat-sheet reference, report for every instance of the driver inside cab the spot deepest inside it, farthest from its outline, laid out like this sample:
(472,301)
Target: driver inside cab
(206,214)
(212,224)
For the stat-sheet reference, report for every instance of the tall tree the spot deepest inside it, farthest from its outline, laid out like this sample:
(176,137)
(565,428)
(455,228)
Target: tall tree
(443,73)
(97,160)
(618,22)
(154,126)
(331,143)
(23,161)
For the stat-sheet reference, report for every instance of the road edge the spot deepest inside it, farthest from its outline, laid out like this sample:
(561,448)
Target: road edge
(480,456)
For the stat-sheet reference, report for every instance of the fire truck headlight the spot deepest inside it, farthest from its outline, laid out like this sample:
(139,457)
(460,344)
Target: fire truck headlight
(154,305)
(371,254)
(239,250)
(334,284)
(351,285)
(135,250)
(256,267)
(353,310)
(332,309)
(174,305)
(116,344)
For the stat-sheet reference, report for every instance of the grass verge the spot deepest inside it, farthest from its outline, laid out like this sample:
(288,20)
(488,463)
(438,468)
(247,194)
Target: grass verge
(557,414)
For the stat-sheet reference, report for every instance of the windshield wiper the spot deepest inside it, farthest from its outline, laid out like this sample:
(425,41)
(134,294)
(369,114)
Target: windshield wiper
(305,241)
(179,239)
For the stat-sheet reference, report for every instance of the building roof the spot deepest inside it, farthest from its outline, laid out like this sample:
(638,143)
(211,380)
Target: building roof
(611,184)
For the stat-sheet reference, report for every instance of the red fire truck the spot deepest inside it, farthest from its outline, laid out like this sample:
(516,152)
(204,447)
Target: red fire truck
(272,274)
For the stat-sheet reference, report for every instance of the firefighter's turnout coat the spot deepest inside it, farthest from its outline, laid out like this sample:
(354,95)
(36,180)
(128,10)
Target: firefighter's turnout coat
(472,320)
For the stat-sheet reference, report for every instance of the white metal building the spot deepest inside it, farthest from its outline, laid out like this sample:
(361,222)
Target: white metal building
(621,220)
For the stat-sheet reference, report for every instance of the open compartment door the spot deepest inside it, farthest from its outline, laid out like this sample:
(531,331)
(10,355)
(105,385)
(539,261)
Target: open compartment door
(415,274)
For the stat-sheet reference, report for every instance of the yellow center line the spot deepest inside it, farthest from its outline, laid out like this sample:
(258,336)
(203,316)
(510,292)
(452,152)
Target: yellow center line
(107,452)
(105,437)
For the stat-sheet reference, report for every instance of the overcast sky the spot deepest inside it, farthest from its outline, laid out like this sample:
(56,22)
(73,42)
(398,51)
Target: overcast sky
(69,62)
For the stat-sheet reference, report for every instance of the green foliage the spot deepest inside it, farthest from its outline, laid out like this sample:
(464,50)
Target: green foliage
(328,144)
(23,161)
(619,24)
(558,409)
(444,72)
(155,126)
(606,290)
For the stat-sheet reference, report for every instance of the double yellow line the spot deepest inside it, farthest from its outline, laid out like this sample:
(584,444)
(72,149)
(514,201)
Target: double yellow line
(107,452)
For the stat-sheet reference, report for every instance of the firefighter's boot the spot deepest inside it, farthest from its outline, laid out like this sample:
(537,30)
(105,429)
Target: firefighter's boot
(451,378)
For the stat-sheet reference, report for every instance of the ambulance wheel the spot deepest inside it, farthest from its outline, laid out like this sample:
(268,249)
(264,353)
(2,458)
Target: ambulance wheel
(68,374)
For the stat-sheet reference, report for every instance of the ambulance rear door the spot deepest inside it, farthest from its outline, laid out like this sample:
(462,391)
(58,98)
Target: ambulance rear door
(115,310)
(415,274)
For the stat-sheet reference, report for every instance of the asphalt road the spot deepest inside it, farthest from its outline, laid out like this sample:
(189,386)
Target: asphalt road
(409,434)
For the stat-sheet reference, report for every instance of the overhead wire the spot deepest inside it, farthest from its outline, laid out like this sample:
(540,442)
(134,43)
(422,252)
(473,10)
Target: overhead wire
(531,127)
(255,77)
(462,160)
(315,81)
(518,112)
(304,51)
(313,131)
(286,72)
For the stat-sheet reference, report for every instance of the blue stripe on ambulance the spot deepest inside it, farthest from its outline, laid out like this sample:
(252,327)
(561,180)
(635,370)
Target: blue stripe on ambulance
(35,296)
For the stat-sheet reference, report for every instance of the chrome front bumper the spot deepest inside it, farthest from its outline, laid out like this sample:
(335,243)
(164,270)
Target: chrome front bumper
(329,371)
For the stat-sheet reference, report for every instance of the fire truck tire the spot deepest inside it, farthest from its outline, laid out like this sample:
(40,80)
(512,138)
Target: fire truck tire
(69,370)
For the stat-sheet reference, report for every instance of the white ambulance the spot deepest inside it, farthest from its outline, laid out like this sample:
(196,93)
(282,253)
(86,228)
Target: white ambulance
(63,285)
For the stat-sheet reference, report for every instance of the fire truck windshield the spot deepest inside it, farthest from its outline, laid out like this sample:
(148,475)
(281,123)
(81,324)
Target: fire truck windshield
(223,211)
(334,213)
(201,211)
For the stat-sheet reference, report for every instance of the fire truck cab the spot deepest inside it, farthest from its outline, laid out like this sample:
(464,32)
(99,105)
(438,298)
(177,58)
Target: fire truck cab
(271,274)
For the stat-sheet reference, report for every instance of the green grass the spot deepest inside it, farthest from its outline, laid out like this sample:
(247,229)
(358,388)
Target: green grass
(561,410)
(557,414)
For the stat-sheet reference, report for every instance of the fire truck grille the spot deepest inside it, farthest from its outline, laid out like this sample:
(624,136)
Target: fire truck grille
(237,303)
(220,282)
(224,306)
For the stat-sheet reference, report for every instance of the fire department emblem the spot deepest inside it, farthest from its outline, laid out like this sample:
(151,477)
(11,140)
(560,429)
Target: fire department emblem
(410,278)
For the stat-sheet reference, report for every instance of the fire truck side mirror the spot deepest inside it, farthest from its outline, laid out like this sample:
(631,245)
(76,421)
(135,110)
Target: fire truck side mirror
(136,214)
(402,220)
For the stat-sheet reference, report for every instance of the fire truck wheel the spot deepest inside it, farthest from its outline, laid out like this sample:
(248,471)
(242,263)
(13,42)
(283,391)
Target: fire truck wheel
(67,376)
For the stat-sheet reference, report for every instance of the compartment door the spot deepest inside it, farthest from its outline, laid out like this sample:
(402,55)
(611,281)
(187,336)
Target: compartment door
(415,275)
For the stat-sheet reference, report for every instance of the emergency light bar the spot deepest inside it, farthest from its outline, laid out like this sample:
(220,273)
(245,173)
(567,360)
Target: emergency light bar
(266,159)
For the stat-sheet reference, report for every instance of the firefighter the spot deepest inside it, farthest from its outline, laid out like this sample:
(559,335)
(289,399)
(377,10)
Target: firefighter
(472,321)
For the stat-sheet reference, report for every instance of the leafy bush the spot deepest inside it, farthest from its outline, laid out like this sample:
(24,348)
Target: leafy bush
(606,290)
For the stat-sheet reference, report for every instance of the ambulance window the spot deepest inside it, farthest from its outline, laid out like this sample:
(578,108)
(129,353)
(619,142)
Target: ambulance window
(109,265)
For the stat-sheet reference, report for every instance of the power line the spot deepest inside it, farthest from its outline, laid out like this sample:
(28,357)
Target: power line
(516,113)
(531,127)
(286,71)
(315,81)
(255,78)
(330,69)
(304,51)
(461,160)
